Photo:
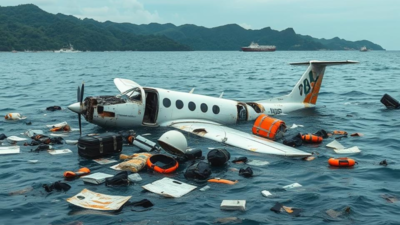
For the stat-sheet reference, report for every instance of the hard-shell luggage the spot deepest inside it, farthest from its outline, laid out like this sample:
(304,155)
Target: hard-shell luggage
(390,102)
(100,146)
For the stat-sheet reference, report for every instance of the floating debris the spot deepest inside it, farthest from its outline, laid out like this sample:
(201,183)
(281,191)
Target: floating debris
(233,205)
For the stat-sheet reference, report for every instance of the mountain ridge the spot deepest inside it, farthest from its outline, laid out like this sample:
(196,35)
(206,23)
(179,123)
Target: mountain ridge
(29,27)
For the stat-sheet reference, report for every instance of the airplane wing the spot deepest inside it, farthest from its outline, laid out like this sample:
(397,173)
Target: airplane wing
(236,138)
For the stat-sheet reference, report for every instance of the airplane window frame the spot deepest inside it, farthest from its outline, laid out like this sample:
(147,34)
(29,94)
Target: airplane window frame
(216,109)
(169,102)
(204,107)
(192,104)
(179,101)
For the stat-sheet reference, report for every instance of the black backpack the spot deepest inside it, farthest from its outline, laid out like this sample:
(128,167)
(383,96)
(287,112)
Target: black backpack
(294,141)
(198,171)
(119,179)
(218,157)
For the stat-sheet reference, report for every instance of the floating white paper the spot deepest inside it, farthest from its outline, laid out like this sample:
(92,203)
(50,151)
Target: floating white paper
(96,178)
(170,188)
(9,150)
(62,124)
(205,188)
(295,126)
(354,149)
(233,205)
(15,139)
(335,145)
(103,161)
(116,167)
(266,193)
(91,200)
(256,162)
(292,186)
(59,152)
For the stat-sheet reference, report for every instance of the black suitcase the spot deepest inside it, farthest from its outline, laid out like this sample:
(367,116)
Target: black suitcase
(99,146)
(390,102)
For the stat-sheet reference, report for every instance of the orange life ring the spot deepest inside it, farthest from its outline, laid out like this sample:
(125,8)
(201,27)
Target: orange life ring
(309,138)
(342,162)
(170,163)
(268,127)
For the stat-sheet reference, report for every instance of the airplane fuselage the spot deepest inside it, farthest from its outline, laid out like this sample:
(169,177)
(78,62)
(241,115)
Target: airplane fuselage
(159,107)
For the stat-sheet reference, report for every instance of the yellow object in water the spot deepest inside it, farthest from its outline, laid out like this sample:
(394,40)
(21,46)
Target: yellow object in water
(135,163)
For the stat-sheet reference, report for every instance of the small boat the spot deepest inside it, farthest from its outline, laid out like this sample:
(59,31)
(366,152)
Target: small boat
(254,47)
(67,50)
(363,49)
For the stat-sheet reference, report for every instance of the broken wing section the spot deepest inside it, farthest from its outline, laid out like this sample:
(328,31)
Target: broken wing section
(237,138)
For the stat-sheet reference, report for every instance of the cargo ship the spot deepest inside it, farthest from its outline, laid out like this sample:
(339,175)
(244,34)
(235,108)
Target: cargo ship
(254,47)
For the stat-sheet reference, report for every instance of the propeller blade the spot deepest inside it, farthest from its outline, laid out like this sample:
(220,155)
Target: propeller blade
(78,97)
(82,92)
(80,125)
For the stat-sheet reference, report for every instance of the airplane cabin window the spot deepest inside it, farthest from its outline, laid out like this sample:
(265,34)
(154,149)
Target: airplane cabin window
(192,106)
(203,107)
(166,102)
(215,109)
(179,104)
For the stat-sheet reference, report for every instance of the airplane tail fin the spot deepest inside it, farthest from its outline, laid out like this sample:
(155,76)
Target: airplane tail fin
(307,88)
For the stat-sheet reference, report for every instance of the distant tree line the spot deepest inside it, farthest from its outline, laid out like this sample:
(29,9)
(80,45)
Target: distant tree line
(27,27)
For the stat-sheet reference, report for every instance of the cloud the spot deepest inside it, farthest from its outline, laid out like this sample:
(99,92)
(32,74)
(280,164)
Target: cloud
(131,11)
(245,26)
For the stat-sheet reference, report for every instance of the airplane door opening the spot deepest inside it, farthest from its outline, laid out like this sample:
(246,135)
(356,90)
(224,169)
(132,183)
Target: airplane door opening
(151,110)
(241,112)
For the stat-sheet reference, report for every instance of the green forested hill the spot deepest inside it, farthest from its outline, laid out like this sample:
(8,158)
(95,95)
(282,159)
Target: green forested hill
(29,27)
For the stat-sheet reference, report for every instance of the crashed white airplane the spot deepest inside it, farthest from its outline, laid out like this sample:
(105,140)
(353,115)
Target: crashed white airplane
(199,114)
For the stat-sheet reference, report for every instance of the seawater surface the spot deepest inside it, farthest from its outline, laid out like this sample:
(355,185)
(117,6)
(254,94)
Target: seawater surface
(349,100)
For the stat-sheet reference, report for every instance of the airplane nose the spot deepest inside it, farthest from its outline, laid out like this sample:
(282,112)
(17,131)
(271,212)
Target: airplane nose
(76,107)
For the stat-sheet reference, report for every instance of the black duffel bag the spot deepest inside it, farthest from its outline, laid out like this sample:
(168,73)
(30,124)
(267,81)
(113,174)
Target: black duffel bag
(294,141)
(198,171)
(100,146)
(218,157)
(119,179)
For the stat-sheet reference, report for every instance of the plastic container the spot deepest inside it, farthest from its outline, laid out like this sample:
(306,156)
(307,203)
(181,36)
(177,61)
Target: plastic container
(269,127)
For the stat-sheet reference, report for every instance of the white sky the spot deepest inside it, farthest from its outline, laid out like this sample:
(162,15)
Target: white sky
(373,20)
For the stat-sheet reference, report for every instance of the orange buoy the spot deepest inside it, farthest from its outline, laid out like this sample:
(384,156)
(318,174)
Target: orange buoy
(269,127)
(170,164)
(81,172)
(309,138)
(222,181)
(342,162)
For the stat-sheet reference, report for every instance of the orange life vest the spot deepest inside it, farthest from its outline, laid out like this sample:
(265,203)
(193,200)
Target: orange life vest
(309,138)
(82,171)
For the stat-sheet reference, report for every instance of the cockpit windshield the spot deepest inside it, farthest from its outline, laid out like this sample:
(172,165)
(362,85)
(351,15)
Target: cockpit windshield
(132,94)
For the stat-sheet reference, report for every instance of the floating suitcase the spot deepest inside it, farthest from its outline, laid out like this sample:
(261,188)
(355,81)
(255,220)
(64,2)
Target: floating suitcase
(100,146)
(390,102)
